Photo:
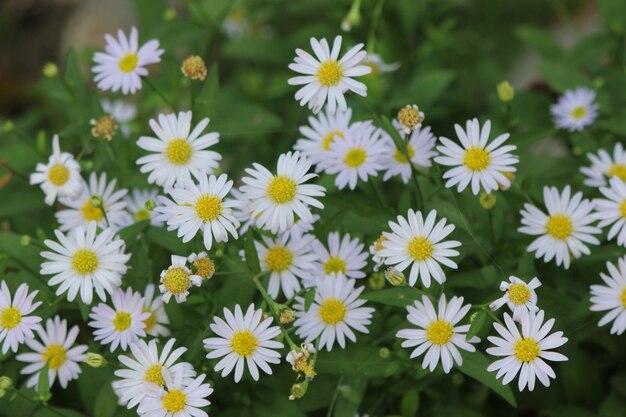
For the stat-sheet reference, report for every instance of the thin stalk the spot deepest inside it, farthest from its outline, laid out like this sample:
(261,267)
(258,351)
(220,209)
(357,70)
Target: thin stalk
(159,93)
(371,37)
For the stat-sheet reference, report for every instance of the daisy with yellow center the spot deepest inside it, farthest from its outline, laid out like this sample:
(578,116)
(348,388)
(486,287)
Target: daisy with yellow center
(420,148)
(420,244)
(326,77)
(611,297)
(525,349)
(243,341)
(122,324)
(605,166)
(565,231)
(16,322)
(335,314)
(55,347)
(477,163)
(575,109)
(518,295)
(83,261)
(123,63)
(177,280)
(611,211)
(276,199)
(343,255)
(437,334)
(157,321)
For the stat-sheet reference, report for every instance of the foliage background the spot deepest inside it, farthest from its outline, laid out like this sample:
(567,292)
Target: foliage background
(452,53)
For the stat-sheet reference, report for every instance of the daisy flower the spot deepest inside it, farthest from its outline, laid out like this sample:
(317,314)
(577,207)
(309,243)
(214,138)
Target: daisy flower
(378,66)
(177,279)
(202,208)
(288,260)
(359,155)
(438,334)
(16,323)
(612,297)
(420,148)
(57,350)
(420,243)
(123,63)
(147,365)
(564,231)
(81,210)
(344,256)
(179,397)
(375,249)
(336,310)
(178,154)
(122,111)
(60,177)
(326,77)
(121,325)
(604,166)
(612,209)
(525,350)
(575,109)
(274,199)
(83,262)
(136,205)
(202,264)
(245,341)
(320,133)
(477,161)
(157,320)
(518,295)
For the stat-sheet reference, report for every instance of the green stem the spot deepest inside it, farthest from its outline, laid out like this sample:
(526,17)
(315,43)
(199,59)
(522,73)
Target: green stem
(192,98)
(371,37)
(331,407)
(418,191)
(159,93)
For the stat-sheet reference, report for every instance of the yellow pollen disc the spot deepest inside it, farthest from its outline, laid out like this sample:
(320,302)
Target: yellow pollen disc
(477,159)
(355,157)
(334,265)
(440,332)
(128,62)
(519,293)
(409,116)
(205,267)
(55,355)
(151,321)
(378,245)
(153,374)
(244,343)
(617,170)
(579,112)
(401,158)
(122,321)
(330,138)
(278,258)
(174,401)
(178,151)
(332,311)
(176,280)
(281,189)
(623,297)
(142,214)
(91,213)
(85,261)
(526,350)
(208,207)
(58,175)
(329,73)
(10,318)
(420,248)
(559,226)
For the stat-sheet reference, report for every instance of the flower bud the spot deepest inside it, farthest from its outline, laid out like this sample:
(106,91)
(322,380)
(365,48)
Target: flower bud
(96,201)
(194,67)
(487,200)
(410,117)
(95,360)
(506,92)
(384,353)
(5,382)
(395,277)
(7,126)
(169,14)
(50,70)
(25,240)
(299,389)
(149,205)
(376,281)
(287,316)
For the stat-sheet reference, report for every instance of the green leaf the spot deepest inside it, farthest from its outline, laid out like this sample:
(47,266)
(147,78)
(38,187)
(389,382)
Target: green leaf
(252,258)
(43,384)
(397,297)
(350,395)
(410,403)
(539,41)
(561,76)
(427,87)
(106,402)
(4,260)
(615,125)
(309,297)
(165,239)
(129,234)
(475,365)
(27,256)
(614,13)
(357,361)
(72,76)
(481,319)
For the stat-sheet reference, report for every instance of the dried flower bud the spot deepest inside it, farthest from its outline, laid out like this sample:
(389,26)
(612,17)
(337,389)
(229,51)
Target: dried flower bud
(194,68)
(105,127)
(410,117)
(287,316)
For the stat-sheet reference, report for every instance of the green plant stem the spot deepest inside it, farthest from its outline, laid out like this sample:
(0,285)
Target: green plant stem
(331,407)
(38,403)
(418,191)
(371,37)
(159,93)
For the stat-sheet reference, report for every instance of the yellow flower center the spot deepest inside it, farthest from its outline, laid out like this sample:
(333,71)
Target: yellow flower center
(128,62)
(204,267)
(10,317)
(122,321)
(409,116)
(178,151)
(378,245)
(174,401)
(617,170)
(332,311)
(244,343)
(330,138)
(278,258)
(355,157)
(329,73)
(55,355)
(477,159)
(559,226)
(85,261)
(90,212)
(154,375)
(176,280)
(151,321)
(519,293)
(623,297)
(420,248)
(579,112)
(401,158)
(142,214)
(282,189)
(526,350)
(58,174)
(440,332)
(334,265)
(208,207)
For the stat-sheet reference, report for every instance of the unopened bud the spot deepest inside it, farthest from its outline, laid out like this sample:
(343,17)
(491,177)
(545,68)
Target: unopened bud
(149,205)
(506,92)
(487,200)
(7,126)
(287,316)
(96,201)
(194,68)
(410,118)
(353,18)
(376,281)
(395,277)
(384,353)
(50,70)
(25,240)
(169,14)
(95,360)
(5,382)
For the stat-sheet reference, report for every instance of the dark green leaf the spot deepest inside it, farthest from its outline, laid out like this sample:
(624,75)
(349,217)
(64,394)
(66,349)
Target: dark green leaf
(475,365)
(357,361)
(398,297)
